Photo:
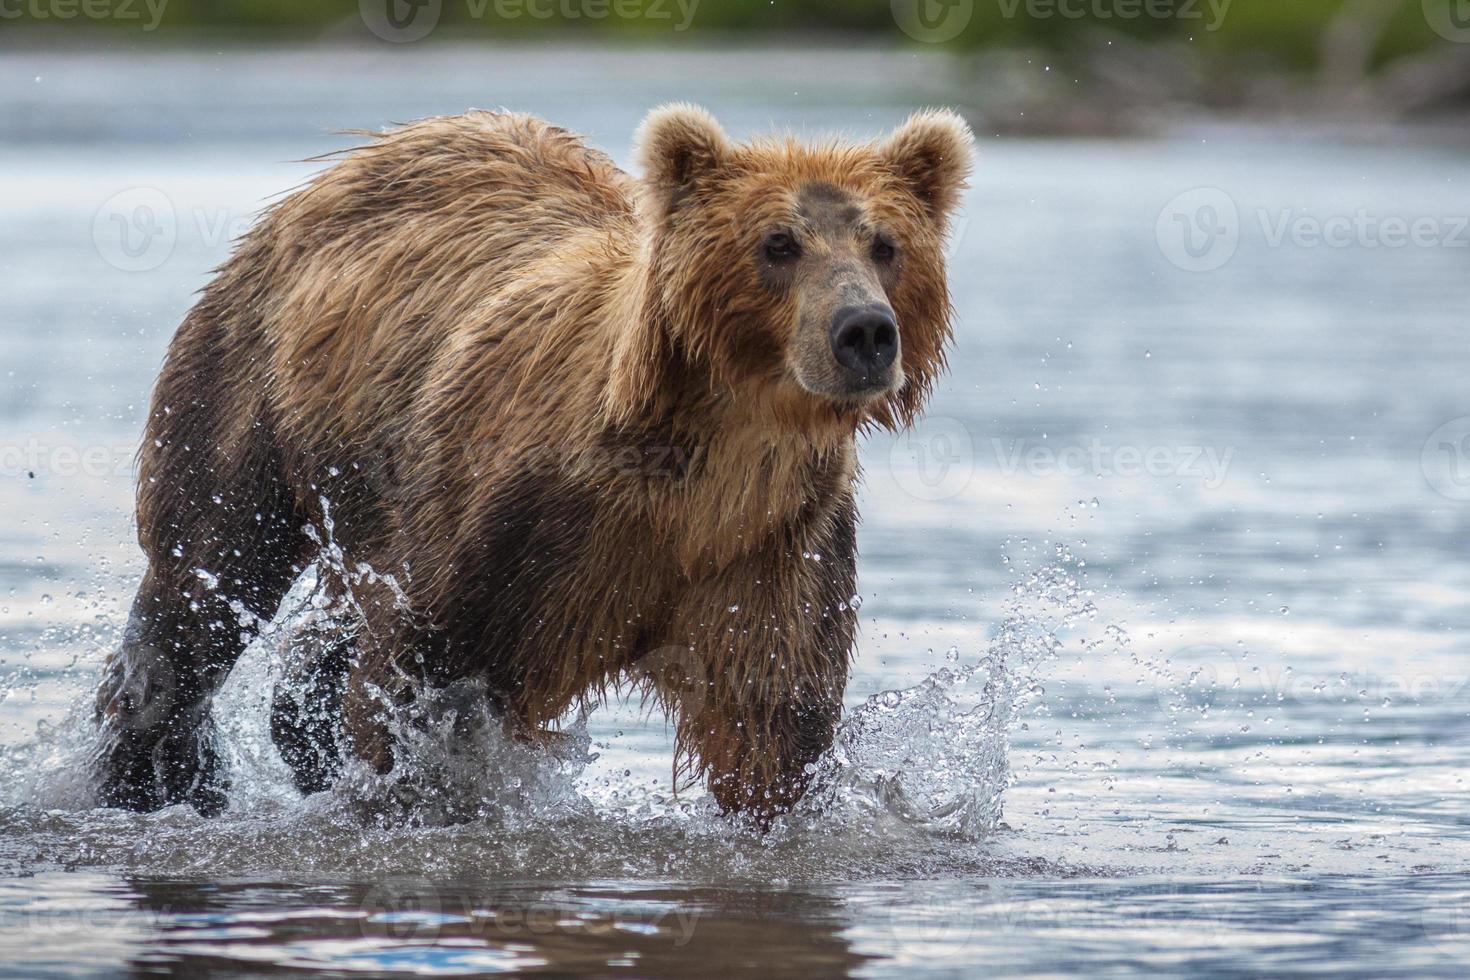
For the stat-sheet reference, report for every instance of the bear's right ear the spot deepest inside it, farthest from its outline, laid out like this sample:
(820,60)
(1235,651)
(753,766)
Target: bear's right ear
(932,152)
(678,144)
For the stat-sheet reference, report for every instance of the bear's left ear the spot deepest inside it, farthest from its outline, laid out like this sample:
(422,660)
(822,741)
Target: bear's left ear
(932,153)
(677,145)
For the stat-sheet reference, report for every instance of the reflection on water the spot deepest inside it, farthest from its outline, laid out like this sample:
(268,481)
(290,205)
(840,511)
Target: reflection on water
(1240,731)
(408,925)
(1237,926)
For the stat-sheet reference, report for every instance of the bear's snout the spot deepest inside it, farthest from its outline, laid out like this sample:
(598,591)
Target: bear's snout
(865,344)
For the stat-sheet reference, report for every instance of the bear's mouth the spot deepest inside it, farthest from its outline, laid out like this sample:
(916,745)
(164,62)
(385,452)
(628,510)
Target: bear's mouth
(870,387)
(848,390)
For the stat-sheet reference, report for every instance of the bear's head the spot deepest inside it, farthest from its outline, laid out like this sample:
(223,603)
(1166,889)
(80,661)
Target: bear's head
(807,276)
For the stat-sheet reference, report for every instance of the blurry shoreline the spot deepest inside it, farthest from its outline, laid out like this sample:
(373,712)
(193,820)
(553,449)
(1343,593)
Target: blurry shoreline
(1137,91)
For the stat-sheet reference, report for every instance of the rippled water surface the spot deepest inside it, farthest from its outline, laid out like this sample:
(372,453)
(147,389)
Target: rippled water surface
(1163,661)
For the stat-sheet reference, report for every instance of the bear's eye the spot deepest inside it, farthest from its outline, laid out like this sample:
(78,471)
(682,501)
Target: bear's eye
(779,246)
(883,250)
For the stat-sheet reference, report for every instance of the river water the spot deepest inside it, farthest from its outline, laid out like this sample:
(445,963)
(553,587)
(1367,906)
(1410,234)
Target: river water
(1163,663)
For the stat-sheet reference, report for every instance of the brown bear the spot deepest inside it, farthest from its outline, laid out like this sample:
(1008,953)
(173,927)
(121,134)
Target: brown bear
(589,429)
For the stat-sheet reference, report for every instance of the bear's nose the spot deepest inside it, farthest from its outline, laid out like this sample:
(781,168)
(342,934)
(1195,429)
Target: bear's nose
(865,339)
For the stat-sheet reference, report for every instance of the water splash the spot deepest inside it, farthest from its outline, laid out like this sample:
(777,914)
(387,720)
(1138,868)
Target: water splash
(915,779)
(460,764)
(936,756)
(455,761)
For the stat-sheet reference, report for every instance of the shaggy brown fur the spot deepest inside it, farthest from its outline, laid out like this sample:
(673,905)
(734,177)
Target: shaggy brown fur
(590,423)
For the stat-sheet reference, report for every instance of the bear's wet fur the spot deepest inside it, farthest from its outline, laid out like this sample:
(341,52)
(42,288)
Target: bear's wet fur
(592,425)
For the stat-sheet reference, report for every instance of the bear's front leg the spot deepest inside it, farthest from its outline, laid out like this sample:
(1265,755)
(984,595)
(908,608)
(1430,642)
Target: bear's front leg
(757,754)
(756,665)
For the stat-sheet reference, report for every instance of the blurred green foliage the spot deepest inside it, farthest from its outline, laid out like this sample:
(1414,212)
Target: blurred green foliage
(1288,33)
